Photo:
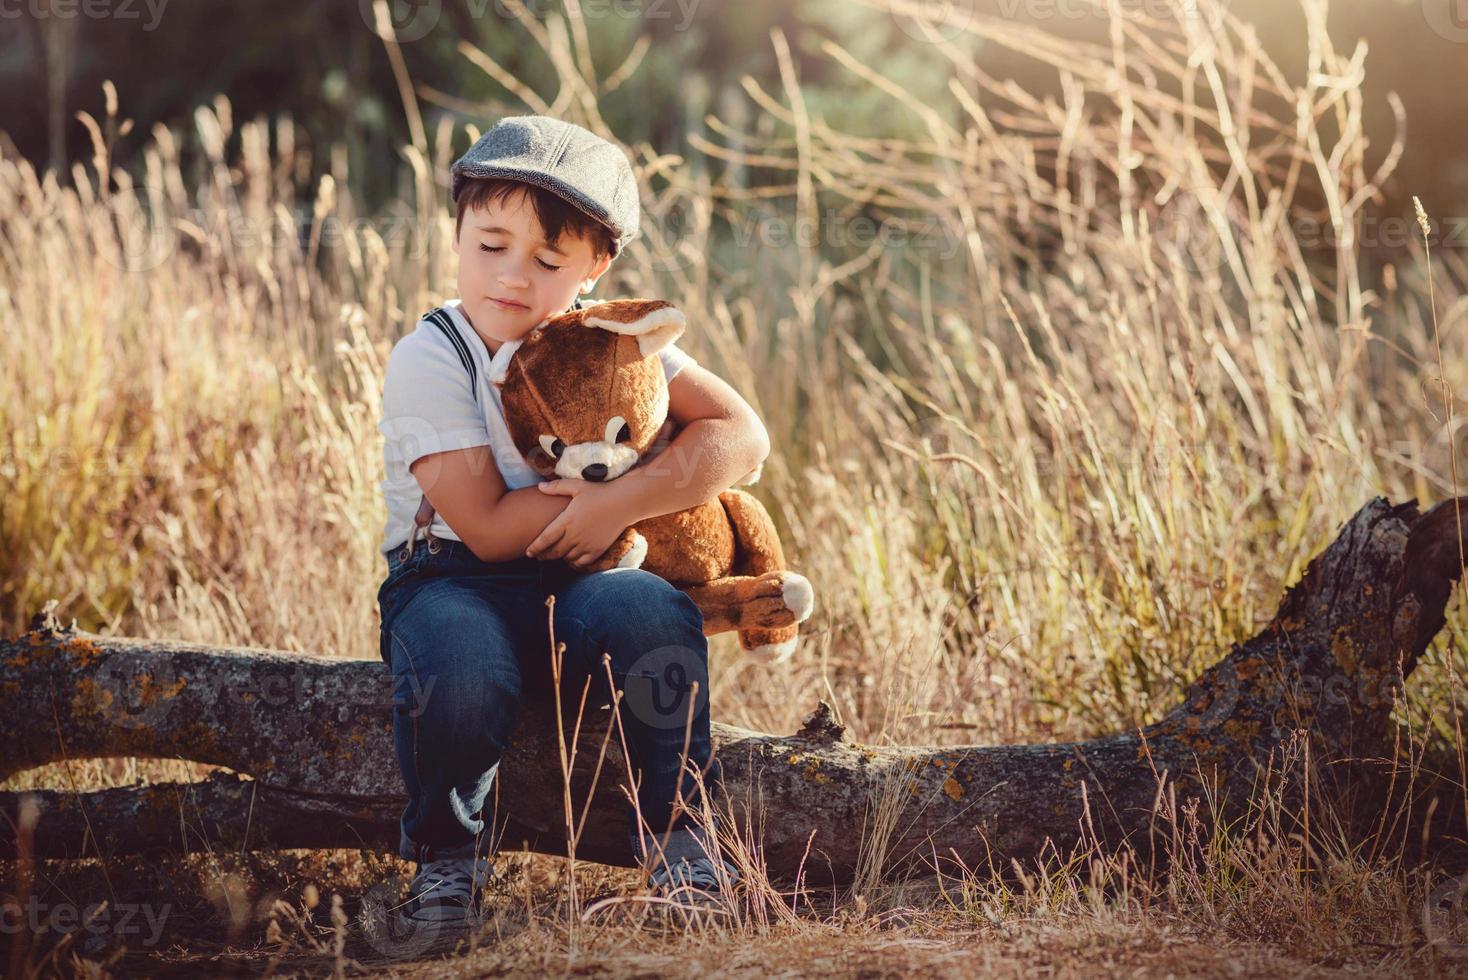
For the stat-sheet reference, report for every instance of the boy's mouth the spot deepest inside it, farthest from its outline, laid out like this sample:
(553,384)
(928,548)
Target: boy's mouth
(507,304)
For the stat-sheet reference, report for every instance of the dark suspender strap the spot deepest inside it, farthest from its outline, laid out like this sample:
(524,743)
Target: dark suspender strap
(440,318)
(423,520)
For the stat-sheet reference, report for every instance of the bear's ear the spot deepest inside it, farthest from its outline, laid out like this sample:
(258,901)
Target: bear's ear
(655,323)
(499,365)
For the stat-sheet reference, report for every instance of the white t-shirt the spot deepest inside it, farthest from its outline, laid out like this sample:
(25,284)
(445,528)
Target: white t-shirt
(429,405)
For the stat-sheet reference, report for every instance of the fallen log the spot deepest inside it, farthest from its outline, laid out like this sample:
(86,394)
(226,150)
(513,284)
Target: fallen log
(309,739)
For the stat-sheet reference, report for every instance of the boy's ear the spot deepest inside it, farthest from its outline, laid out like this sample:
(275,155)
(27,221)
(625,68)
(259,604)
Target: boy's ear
(597,271)
(655,323)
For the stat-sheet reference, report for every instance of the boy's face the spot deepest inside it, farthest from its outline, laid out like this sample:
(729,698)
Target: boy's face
(510,279)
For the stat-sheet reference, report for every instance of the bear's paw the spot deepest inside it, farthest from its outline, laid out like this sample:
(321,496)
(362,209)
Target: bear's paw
(799,597)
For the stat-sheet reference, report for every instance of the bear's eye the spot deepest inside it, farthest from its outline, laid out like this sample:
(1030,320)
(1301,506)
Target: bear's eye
(617,430)
(553,446)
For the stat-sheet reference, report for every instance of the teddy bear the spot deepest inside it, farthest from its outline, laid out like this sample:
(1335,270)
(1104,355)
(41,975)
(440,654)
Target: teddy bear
(585,397)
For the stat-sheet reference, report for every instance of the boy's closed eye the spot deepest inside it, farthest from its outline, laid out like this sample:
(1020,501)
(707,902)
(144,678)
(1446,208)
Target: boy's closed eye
(501,248)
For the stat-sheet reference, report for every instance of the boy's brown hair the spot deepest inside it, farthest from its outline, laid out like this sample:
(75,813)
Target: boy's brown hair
(556,215)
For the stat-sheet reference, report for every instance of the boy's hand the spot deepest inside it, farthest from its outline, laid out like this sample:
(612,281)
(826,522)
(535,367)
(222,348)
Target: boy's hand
(586,528)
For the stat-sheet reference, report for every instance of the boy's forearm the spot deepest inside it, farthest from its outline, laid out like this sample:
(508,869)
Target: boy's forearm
(705,458)
(508,526)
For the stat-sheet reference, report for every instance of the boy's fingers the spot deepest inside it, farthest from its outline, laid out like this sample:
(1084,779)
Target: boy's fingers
(560,548)
(564,487)
(578,554)
(552,534)
(589,556)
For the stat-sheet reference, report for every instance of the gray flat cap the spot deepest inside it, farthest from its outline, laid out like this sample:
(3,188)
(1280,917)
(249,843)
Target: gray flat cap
(570,161)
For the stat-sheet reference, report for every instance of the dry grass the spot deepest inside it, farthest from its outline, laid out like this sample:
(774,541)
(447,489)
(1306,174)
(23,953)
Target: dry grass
(1044,453)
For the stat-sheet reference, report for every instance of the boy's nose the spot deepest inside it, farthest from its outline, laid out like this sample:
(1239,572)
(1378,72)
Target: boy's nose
(513,276)
(596,471)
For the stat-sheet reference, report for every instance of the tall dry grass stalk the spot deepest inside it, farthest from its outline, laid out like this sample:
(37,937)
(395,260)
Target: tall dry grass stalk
(1117,365)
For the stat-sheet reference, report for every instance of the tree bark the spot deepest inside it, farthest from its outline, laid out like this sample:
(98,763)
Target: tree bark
(1310,695)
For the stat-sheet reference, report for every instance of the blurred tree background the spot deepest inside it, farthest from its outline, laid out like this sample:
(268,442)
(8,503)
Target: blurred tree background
(321,64)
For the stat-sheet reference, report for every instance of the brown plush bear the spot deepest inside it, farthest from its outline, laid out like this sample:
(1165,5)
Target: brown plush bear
(584,397)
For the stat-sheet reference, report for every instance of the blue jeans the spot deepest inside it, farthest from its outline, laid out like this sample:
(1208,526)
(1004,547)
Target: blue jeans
(467,639)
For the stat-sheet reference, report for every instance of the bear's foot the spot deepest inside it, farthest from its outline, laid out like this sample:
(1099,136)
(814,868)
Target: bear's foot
(769,646)
(770,601)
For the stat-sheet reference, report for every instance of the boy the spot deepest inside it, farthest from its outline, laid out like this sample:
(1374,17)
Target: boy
(542,209)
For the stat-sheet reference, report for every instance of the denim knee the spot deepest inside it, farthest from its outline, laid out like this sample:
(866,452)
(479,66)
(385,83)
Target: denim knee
(454,696)
(630,611)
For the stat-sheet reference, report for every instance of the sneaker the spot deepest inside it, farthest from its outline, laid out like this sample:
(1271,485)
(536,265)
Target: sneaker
(448,892)
(444,904)
(691,878)
(694,884)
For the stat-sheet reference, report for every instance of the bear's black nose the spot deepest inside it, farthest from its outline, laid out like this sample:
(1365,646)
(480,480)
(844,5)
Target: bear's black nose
(596,472)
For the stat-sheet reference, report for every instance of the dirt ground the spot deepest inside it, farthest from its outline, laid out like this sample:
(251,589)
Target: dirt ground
(272,915)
